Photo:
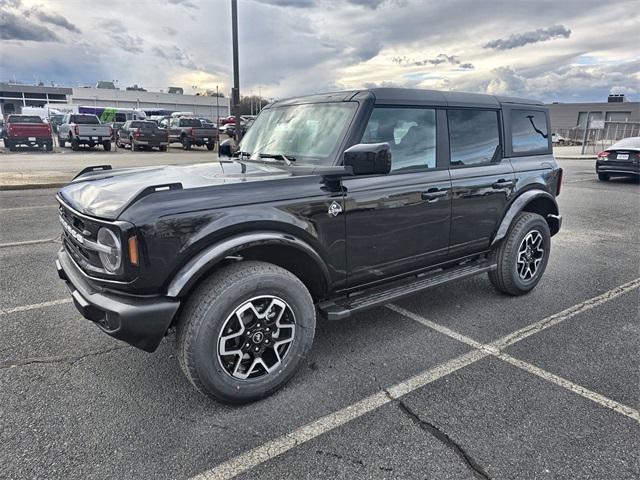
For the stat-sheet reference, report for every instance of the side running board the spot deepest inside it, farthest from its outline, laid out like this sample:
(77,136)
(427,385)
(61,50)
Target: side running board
(338,309)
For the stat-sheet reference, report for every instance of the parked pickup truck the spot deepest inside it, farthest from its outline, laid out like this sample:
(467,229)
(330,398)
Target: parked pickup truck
(84,129)
(332,203)
(142,134)
(189,131)
(27,130)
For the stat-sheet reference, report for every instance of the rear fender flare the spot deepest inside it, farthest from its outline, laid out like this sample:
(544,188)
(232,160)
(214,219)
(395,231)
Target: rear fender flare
(205,260)
(519,205)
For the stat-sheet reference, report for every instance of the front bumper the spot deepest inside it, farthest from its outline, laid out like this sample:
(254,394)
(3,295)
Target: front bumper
(139,321)
(617,168)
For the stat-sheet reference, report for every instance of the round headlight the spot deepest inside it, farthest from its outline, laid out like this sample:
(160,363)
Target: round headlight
(110,261)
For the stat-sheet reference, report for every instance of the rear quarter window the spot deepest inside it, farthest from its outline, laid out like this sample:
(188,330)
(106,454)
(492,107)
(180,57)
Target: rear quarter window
(529,132)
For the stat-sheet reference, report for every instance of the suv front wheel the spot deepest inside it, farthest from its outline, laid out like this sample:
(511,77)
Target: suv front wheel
(523,254)
(245,331)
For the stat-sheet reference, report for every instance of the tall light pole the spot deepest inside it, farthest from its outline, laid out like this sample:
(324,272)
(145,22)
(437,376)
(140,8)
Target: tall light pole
(236,72)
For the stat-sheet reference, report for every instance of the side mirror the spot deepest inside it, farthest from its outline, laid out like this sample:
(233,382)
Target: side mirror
(225,149)
(368,158)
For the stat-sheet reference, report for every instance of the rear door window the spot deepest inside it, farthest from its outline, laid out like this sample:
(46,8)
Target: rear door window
(474,137)
(529,132)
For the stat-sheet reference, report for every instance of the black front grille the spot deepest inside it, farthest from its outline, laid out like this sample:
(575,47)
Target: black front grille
(87,259)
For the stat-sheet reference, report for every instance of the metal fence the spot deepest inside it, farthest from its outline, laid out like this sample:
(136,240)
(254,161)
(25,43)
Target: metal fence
(594,140)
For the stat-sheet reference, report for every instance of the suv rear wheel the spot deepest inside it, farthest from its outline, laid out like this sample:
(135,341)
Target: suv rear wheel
(523,255)
(245,331)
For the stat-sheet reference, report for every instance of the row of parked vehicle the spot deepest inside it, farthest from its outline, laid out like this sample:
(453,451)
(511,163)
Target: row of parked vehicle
(80,129)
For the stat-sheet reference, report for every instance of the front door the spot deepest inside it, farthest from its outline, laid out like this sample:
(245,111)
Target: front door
(482,181)
(399,222)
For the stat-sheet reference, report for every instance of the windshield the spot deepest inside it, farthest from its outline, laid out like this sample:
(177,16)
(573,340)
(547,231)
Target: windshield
(309,133)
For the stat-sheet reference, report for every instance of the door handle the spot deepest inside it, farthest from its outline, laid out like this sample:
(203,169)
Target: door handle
(502,183)
(433,194)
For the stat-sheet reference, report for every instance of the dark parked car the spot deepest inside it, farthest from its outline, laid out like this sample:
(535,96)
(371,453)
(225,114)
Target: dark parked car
(620,159)
(27,131)
(189,132)
(140,134)
(333,203)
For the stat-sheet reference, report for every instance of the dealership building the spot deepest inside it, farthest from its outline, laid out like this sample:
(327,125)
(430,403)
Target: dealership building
(15,96)
(572,115)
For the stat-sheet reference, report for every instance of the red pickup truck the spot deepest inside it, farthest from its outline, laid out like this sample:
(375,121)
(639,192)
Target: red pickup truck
(28,130)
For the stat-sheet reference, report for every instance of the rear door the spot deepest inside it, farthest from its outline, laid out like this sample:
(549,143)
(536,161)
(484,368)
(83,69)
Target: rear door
(482,180)
(400,221)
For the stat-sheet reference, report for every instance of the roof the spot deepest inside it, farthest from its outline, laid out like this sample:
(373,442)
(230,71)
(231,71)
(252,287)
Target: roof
(412,96)
(42,89)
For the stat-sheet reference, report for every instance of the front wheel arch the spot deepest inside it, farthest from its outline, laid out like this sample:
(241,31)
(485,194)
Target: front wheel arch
(281,249)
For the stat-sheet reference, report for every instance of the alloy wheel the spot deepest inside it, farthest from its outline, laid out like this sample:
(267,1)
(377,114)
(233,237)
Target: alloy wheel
(530,255)
(256,337)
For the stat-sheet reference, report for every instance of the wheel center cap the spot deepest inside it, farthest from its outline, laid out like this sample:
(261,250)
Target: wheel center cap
(257,337)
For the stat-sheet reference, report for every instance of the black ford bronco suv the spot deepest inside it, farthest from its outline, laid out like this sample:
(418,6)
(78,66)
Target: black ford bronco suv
(331,204)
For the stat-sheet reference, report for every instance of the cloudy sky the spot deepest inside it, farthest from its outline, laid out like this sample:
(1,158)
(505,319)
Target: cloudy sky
(550,50)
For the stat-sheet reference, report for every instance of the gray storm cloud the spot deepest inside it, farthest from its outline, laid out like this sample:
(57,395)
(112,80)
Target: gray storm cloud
(533,36)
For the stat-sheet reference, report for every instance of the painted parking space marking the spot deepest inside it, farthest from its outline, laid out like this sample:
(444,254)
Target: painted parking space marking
(34,207)
(269,450)
(28,242)
(495,348)
(278,446)
(24,308)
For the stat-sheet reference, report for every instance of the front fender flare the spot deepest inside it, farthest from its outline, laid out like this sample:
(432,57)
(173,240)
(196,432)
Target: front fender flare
(518,205)
(201,263)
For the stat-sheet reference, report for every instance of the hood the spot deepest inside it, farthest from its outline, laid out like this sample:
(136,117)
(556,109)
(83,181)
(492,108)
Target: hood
(106,194)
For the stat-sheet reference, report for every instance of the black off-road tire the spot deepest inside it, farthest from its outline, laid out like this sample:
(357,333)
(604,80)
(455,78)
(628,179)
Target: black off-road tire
(205,314)
(10,145)
(75,145)
(186,143)
(61,142)
(506,278)
(106,145)
(210,146)
(162,148)
(603,177)
(49,146)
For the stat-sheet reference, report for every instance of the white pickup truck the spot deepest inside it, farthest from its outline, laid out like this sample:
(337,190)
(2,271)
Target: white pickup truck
(84,129)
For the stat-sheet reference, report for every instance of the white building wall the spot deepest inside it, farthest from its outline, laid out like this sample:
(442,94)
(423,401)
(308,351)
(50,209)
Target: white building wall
(201,106)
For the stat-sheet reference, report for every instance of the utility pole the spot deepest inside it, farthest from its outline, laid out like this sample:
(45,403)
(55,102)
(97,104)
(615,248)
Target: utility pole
(236,72)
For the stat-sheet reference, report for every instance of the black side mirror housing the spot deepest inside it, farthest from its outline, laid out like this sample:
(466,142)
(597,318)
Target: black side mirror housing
(368,158)
(225,149)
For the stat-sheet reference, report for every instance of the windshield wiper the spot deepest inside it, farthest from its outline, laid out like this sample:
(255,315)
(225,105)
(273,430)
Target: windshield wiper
(242,154)
(281,156)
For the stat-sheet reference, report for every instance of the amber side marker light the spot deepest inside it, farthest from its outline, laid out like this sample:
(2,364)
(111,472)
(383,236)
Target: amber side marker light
(133,250)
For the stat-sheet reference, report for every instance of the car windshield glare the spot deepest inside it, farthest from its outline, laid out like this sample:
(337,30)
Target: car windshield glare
(311,133)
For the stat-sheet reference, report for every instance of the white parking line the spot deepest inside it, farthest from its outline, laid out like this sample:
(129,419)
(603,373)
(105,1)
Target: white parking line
(495,348)
(24,308)
(34,207)
(278,446)
(28,242)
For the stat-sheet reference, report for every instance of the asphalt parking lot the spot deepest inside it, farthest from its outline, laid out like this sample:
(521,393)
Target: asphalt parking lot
(459,382)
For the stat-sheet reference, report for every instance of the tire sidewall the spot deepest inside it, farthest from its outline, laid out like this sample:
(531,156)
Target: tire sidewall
(211,373)
(536,223)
